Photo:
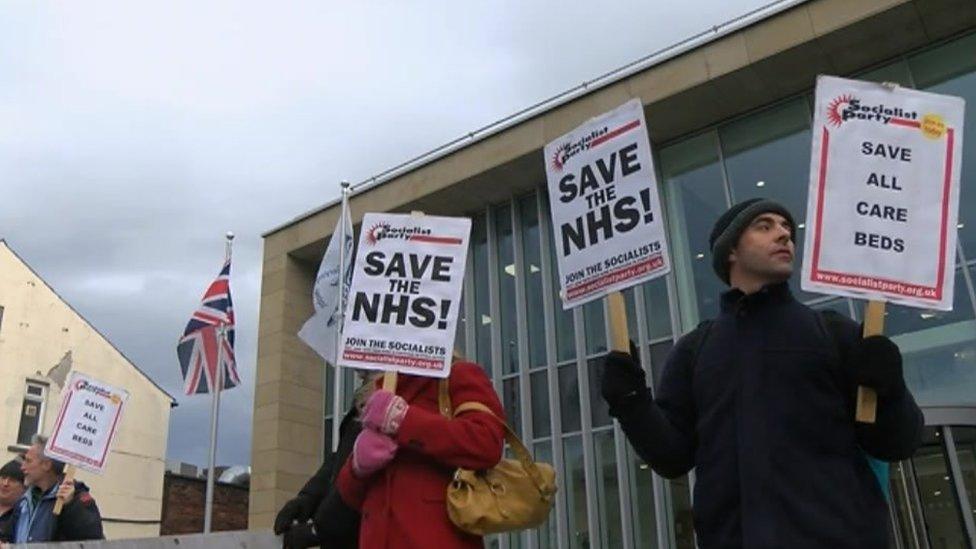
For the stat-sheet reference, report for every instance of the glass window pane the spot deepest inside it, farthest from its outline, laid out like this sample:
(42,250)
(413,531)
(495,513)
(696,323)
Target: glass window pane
(30,417)
(938,349)
(659,356)
(607,490)
(539,383)
(510,399)
(565,336)
(657,308)
(936,492)
(684,528)
(696,198)
(349,384)
(631,307)
(951,70)
(642,502)
(965,438)
(459,332)
(569,399)
(768,155)
(329,396)
(579,531)
(894,72)
(532,278)
(327,439)
(596,331)
(599,410)
(542,451)
(506,283)
(482,309)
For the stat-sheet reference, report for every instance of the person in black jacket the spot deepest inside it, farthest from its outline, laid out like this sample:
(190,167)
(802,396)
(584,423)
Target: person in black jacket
(11,490)
(34,519)
(760,402)
(317,516)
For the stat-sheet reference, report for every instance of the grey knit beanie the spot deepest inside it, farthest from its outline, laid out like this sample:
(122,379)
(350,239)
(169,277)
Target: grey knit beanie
(729,227)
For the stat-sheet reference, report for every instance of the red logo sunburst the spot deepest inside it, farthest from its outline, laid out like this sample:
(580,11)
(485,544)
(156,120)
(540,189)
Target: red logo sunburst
(374,234)
(834,109)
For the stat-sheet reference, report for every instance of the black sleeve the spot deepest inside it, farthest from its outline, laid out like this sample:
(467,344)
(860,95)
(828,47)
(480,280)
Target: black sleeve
(80,520)
(318,486)
(337,524)
(899,425)
(897,431)
(662,430)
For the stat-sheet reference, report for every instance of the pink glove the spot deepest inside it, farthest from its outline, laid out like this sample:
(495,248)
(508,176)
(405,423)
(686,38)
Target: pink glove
(371,452)
(384,412)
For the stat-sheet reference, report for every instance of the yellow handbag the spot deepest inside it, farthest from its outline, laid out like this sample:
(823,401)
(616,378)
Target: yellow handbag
(516,494)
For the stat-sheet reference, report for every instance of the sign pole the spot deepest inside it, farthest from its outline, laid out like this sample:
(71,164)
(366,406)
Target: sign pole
(69,476)
(214,412)
(619,334)
(867,398)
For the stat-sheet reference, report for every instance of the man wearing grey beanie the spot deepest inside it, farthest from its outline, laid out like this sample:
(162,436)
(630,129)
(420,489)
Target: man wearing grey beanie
(760,402)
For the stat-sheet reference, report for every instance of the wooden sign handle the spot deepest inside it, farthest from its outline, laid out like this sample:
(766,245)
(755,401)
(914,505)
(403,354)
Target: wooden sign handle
(619,335)
(867,398)
(69,476)
(389,381)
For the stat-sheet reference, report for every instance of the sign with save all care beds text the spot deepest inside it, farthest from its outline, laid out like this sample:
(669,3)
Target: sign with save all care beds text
(884,193)
(86,423)
(606,215)
(405,294)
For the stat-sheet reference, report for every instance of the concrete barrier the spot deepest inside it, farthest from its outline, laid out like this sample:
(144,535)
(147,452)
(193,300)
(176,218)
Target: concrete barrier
(221,540)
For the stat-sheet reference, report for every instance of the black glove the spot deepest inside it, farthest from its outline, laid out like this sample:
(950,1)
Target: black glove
(623,379)
(300,536)
(877,364)
(298,509)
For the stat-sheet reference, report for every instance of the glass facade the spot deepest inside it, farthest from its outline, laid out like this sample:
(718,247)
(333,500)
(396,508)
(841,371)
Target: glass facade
(543,360)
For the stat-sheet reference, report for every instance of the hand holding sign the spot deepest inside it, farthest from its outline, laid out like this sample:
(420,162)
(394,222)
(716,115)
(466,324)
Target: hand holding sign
(883,199)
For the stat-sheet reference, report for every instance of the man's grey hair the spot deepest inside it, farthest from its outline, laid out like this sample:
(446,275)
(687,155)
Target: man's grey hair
(41,440)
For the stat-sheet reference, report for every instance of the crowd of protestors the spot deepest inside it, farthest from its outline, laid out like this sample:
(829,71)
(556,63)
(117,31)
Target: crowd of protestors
(29,490)
(759,401)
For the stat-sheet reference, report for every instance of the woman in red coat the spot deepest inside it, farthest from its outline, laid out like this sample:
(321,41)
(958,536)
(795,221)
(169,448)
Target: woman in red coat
(406,455)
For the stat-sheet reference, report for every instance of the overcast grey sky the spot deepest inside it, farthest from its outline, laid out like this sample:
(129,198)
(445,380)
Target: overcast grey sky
(134,134)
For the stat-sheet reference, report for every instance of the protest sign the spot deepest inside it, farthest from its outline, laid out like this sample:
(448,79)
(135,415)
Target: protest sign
(606,216)
(884,193)
(405,294)
(86,423)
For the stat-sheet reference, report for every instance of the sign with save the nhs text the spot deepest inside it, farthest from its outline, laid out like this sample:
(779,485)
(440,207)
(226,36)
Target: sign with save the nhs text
(606,216)
(884,193)
(86,423)
(405,294)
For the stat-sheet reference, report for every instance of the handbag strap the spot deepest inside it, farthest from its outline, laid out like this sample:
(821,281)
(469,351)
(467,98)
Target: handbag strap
(521,452)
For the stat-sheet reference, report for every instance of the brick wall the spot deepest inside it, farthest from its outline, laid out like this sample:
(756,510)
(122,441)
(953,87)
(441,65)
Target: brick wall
(183,503)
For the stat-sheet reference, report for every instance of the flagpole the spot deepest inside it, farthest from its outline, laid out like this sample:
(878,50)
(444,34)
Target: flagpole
(217,386)
(338,389)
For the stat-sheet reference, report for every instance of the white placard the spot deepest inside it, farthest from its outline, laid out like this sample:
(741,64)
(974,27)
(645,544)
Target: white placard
(606,215)
(405,295)
(884,193)
(87,422)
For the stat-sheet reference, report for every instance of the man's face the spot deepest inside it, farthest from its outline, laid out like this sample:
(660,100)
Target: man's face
(36,467)
(764,251)
(10,491)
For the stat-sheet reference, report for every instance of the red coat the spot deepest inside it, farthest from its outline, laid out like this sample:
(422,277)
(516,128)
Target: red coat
(403,506)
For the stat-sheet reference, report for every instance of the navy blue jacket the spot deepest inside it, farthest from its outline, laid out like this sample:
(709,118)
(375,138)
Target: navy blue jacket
(79,518)
(763,410)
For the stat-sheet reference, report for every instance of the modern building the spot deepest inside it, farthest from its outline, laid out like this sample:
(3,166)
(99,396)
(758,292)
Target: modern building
(729,114)
(42,339)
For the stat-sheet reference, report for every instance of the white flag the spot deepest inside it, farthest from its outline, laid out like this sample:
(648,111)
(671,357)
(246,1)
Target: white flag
(321,331)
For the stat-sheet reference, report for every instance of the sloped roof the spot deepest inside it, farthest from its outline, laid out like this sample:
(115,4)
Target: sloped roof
(173,402)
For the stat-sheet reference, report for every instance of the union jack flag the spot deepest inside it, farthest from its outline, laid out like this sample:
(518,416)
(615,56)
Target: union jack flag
(197,349)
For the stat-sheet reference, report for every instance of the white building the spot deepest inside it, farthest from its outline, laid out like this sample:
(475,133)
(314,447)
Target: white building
(42,338)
